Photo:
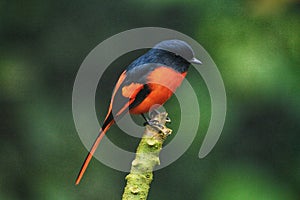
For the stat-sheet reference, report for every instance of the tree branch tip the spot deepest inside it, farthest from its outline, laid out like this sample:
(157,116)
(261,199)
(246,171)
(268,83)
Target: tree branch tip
(146,158)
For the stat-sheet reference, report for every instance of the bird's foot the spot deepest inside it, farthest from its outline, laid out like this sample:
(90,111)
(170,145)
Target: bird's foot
(152,115)
(161,128)
(155,112)
(157,124)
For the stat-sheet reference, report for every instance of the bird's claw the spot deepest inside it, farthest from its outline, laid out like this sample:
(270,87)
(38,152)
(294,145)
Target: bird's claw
(155,112)
(155,124)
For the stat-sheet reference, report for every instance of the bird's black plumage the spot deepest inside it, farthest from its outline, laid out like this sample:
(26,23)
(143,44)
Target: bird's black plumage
(160,57)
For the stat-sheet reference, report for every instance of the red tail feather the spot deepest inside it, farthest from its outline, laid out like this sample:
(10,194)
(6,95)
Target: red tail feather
(91,153)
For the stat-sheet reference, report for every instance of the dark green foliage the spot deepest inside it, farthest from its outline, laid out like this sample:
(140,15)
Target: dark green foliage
(255,45)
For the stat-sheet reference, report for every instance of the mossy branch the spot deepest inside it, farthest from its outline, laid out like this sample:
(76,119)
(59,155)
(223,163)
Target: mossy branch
(147,157)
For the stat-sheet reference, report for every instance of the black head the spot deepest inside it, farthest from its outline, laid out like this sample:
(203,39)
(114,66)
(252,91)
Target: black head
(179,48)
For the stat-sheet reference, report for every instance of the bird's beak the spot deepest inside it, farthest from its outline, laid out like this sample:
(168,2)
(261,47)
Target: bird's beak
(195,61)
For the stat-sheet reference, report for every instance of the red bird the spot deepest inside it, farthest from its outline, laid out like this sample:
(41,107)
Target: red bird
(149,80)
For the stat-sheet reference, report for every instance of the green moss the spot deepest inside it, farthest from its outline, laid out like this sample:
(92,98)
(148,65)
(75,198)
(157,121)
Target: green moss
(147,157)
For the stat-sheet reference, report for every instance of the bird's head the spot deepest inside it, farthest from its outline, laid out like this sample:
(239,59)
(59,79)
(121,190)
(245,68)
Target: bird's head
(179,48)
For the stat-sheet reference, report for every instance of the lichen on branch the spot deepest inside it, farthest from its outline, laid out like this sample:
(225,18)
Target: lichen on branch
(147,157)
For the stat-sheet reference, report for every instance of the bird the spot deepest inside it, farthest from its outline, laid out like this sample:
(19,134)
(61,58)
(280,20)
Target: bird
(149,80)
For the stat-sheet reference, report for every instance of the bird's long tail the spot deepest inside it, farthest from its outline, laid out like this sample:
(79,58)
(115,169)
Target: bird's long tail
(107,124)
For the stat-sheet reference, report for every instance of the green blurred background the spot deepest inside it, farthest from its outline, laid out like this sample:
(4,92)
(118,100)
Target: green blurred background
(255,44)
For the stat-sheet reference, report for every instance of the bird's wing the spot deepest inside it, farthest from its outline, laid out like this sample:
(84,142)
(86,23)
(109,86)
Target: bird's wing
(131,89)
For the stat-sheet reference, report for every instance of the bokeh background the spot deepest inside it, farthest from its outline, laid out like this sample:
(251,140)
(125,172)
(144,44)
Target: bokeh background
(255,44)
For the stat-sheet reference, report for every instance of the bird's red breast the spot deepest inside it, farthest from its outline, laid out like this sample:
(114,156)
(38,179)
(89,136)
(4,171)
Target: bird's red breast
(163,82)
